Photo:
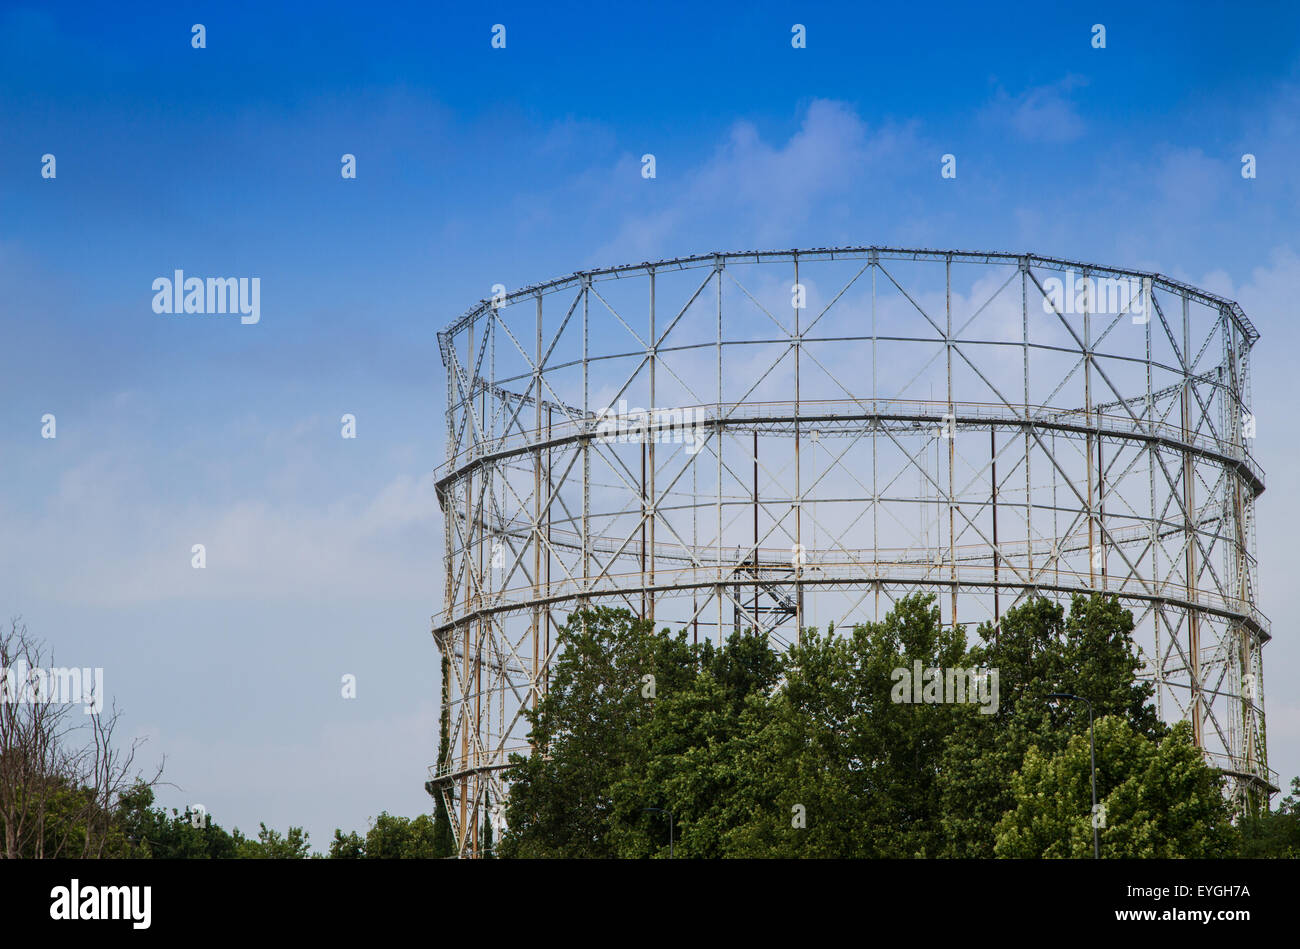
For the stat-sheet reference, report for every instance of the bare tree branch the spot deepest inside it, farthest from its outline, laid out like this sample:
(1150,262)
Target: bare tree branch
(61,774)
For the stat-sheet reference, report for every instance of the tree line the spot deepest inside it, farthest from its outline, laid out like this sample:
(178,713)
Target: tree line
(647,744)
(815,751)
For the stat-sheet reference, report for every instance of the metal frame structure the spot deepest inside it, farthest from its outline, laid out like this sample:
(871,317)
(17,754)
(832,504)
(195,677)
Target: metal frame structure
(815,430)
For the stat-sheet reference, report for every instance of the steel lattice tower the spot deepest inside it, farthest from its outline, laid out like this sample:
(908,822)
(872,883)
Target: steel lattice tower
(785,439)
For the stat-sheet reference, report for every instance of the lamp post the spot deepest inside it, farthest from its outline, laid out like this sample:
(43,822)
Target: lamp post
(660,810)
(1092,752)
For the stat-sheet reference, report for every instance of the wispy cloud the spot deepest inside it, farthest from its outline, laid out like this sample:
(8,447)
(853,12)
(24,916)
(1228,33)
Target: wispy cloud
(761,190)
(104,536)
(1043,114)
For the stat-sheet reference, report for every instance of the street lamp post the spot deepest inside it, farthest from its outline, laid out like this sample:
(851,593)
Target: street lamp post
(660,810)
(1092,752)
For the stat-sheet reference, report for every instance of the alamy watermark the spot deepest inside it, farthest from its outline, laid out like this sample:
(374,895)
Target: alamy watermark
(181,294)
(1106,296)
(637,425)
(936,686)
(21,684)
(131,903)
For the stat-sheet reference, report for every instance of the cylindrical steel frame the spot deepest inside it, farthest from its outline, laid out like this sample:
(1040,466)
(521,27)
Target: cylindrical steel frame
(778,440)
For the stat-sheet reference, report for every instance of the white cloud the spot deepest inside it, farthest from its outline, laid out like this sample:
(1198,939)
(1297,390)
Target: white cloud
(752,187)
(105,535)
(1042,114)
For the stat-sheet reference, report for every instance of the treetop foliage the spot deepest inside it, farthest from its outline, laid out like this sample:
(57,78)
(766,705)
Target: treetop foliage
(811,753)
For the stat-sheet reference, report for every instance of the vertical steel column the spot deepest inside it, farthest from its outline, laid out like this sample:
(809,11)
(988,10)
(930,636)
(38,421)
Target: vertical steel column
(546,610)
(586,442)
(875,433)
(450,513)
(482,545)
(1238,651)
(470,581)
(755,530)
(1246,641)
(1152,451)
(721,430)
(537,497)
(654,498)
(645,500)
(695,551)
(1056,527)
(993,462)
(1190,532)
(1029,491)
(498,674)
(1101,509)
(1087,414)
(798,471)
(952,439)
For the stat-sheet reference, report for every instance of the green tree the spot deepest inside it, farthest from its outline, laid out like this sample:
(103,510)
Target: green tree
(152,833)
(690,743)
(840,750)
(1037,651)
(148,832)
(485,835)
(589,732)
(818,753)
(392,837)
(1273,833)
(1157,798)
(272,845)
(388,837)
(349,847)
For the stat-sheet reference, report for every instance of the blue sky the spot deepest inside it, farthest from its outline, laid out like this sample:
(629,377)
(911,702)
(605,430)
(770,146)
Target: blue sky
(478,166)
